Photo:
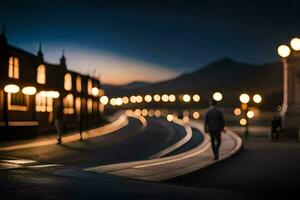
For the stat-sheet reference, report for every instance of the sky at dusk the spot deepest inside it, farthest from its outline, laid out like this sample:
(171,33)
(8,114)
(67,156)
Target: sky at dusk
(154,40)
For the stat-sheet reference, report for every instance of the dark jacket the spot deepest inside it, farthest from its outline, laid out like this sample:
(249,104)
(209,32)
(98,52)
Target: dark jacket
(214,120)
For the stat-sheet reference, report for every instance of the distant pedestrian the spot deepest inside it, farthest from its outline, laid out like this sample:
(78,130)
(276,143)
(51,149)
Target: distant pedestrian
(81,124)
(59,120)
(214,125)
(276,126)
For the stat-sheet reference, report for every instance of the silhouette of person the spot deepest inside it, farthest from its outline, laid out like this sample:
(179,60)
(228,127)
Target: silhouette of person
(214,125)
(59,121)
(276,126)
(81,124)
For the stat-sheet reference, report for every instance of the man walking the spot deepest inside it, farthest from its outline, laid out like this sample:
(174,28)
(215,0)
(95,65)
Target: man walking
(214,125)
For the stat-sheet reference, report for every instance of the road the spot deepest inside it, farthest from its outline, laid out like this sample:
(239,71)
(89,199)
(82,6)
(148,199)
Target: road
(263,170)
(127,144)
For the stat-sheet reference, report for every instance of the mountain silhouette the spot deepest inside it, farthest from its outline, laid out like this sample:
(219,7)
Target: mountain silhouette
(225,75)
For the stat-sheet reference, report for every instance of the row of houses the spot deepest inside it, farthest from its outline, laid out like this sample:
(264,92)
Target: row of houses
(30,89)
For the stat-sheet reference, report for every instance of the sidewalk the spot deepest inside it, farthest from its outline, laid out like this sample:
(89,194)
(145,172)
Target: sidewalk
(118,123)
(172,166)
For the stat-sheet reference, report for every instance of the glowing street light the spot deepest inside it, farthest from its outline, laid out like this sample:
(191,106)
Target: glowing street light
(144,112)
(29,90)
(119,101)
(104,100)
(250,114)
(113,102)
(157,113)
(133,99)
(217,96)
(11,88)
(172,98)
(165,98)
(95,91)
(139,99)
(237,111)
(156,97)
(196,97)
(196,115)
(257,98)
(295,44)
(170,117)
(243,122)
(244,98)
(284,51)
(186,98)
(148,98)
(125,100)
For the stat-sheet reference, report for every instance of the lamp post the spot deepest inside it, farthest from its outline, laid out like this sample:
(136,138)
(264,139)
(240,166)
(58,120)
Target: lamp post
(245,113)
(290,58)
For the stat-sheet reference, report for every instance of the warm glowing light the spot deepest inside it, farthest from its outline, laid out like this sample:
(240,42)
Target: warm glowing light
(113,102)
(295,44)
(156,98)
(257,98)
(11,88)
(172,98)
(217,96)
(125,100)
(170,117)
(196,115)
(244,98)
(52,94)
(68,82)
(196,97)
(186,98)
(243,121)
(139,99)
(133,99)
(148,98)
(250,114)
(284,51)
(41,74)
(237,111)
(144,112)
(157,113)
(151,113)
(104,100)
(30,90)
(165,98)
(119,101)
(95,91)
(137,112)
(186,119)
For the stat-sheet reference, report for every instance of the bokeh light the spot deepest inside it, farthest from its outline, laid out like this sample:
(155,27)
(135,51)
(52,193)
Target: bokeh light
(244,98)
(284,51)
(217,96)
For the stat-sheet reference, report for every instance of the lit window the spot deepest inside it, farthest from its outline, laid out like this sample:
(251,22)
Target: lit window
(90,87)
(68,82)
(43,103)
(17,102)
(68,102)
(78,84)
(41,74)
(78,105)
(90,105)
(13,68)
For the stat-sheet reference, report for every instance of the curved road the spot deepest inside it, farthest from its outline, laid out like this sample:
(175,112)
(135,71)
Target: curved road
(127,144)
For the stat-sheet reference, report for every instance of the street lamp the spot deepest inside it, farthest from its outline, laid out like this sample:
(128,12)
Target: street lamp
(245,113)
(217,96)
